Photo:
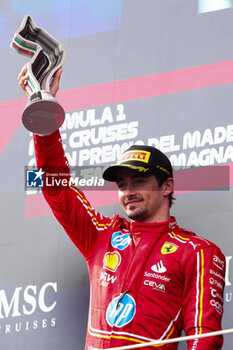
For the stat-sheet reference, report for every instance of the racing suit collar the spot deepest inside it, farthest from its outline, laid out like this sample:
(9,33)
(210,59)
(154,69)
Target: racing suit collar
(154,227)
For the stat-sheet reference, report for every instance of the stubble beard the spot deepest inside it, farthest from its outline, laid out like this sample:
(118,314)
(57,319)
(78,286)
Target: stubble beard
(138,215)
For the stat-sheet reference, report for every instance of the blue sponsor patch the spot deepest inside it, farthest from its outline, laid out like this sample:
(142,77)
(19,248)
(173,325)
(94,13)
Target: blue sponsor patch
(119,313)
(120,240)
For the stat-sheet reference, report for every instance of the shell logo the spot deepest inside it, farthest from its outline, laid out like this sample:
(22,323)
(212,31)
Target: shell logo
(112,260)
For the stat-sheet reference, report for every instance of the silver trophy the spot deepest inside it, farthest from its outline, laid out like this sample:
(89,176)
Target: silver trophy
(42,114)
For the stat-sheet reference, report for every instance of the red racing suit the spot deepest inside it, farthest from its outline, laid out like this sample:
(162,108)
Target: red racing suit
(147,281)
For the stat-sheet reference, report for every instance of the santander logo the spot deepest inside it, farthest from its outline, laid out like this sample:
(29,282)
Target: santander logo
(159,267)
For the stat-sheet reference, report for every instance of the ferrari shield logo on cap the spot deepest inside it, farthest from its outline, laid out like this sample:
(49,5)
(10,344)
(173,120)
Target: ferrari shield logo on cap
(169,248)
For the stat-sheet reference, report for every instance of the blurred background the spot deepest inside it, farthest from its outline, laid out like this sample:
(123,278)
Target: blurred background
(158,72)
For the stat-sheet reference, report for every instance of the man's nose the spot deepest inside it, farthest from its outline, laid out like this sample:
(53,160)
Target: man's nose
(130,190)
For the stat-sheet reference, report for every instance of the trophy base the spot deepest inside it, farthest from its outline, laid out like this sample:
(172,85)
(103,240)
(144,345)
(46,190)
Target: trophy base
(43,114)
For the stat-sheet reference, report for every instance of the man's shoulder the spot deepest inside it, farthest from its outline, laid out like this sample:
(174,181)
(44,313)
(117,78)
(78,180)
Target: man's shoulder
(194,239)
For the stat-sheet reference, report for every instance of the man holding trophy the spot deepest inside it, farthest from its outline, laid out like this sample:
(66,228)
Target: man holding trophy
(149,278)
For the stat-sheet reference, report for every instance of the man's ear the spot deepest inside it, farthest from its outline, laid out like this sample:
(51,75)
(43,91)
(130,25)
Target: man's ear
(168,186)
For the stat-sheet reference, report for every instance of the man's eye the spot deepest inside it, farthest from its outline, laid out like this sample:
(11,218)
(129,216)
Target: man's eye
(121,185)
(140,181)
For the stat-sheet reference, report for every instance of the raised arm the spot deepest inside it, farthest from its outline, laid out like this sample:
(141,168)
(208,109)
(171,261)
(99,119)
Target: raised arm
(81,222)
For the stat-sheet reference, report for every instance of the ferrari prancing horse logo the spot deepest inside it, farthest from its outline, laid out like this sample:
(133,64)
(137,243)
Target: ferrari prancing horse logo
(169,248)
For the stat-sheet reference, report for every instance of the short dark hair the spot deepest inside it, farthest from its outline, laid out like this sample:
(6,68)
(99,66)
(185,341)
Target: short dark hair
(160,178)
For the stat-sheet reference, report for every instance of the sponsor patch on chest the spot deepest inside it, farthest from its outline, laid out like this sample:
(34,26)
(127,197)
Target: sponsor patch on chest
(169,248)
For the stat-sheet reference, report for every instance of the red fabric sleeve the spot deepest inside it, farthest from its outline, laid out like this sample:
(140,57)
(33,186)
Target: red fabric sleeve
(81,222)
(203,297)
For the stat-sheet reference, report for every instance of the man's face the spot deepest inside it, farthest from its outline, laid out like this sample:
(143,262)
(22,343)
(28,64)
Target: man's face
(141,197)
